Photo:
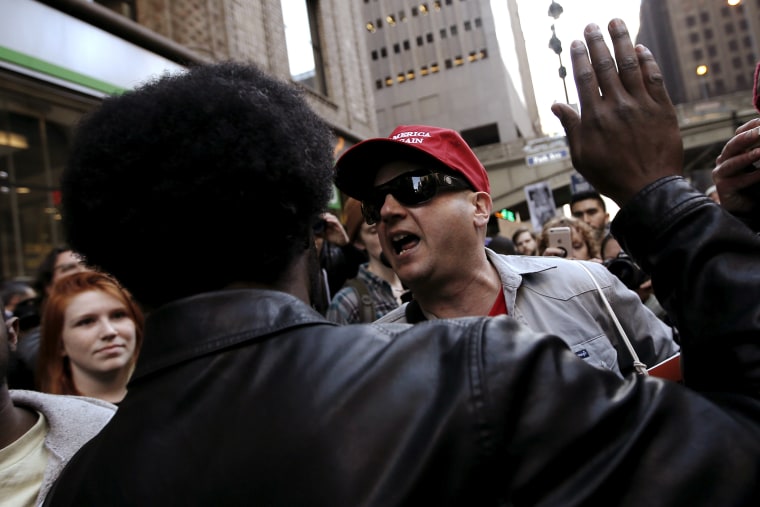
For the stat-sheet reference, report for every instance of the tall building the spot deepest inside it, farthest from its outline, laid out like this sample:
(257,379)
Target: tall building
(706,48)
(59,58)
(438,63)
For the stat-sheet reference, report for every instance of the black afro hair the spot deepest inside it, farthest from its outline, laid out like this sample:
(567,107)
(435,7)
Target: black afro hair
(197,180)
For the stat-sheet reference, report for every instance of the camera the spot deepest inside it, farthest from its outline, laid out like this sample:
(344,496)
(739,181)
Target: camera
(626,270)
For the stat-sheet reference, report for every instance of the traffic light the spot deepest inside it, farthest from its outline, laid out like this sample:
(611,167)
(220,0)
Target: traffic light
(506,214)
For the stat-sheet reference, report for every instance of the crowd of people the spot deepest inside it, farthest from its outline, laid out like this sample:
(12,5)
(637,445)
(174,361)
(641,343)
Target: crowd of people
(401,353)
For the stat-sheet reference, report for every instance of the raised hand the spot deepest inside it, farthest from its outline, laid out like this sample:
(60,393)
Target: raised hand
(627,134)
(735,175)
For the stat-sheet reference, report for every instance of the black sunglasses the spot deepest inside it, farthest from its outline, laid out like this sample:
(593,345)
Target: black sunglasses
(409,189)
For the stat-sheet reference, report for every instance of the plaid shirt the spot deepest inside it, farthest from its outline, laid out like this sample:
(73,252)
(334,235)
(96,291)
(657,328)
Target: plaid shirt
(345,307)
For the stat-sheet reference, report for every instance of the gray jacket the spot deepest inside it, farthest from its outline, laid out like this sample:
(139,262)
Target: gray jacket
(72,422)
(554,295)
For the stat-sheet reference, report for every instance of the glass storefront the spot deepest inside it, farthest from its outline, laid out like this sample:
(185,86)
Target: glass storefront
(37,121)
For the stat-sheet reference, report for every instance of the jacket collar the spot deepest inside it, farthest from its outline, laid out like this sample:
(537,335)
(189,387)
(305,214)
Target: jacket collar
(208,322)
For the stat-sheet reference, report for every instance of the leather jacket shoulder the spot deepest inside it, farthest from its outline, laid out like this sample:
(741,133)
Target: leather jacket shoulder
(250,396)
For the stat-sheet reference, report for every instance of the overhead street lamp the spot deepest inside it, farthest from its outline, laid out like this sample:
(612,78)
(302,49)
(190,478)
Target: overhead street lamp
(555,45)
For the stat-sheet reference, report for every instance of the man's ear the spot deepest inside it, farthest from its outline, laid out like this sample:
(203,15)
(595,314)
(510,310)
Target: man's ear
(483,207)
(359,244)
(11,325)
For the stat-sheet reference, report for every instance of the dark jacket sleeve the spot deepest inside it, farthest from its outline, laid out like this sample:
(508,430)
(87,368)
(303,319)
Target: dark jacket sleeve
(705,267)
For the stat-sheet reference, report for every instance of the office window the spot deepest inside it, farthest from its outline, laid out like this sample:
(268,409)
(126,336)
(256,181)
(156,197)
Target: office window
(390,19)
(733,45)
(711,50)
(401,77)
(379,84)
(434,68)
(691,21)
(388,81)
(396,48)
(402,16)
(447,63)
(736,62)
(741,82)
(383,52)
(407,46)
(483,54)
(375,56)
(472,57)
(437,5)
(729,28)
(478,23)
(693,37)
(454,30)
(751,60)
(443,33)
(747,41)
(467,26)
(429,37)
(414,11)
(410,75)
(698,54)
(379,23)
(720,87)
(420,42)
(370,26)
(704,17)
(424,71)
(303,36)
(743,25)
(715,68)
(423,9)
(458,61)
(708,33)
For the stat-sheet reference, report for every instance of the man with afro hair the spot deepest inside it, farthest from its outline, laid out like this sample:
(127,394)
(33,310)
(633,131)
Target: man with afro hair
(199,192)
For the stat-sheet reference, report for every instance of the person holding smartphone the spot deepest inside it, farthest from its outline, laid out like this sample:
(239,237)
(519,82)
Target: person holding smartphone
(569,237)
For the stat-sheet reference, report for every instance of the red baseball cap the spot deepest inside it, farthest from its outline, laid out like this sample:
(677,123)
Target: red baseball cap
(357,167)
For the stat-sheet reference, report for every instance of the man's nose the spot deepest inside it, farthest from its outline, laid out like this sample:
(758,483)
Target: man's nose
(391,207)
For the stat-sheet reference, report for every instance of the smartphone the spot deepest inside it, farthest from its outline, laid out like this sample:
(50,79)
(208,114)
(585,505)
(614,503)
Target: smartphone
(560,237)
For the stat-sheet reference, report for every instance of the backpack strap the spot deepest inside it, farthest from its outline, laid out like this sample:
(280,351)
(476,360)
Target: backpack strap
(367,312)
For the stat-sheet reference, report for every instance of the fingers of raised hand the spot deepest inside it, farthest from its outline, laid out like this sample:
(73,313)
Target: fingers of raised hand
(740,144)
(629,71)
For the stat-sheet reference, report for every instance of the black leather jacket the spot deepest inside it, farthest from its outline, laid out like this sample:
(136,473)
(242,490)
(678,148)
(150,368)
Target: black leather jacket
(249,397)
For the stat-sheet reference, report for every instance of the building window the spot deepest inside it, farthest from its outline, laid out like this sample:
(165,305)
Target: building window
(424,71)
(303,36)
(741,82)
(478,23)
(383,52)
(407,46)
(434,68)
(388,81)
(443,33)
(396,48)
(467,26)
(410,75)
(458,61)
(414,11)
(712,50)
(472,57)
(751,61)
(715,68)
(429,37)
(691,21)
(708,33)
(743,25)
(370,27)
(447,63)
(693,37)
(736,62)
(733,45)
(379,84)
(698,54)
(423,8)
(747,41)
(729,28)
(704,17)
(483,54)
(390,19)
(401,77)
(402,16)
(420,42)
(454,30)
(375,56)
(126,8)
(720,87)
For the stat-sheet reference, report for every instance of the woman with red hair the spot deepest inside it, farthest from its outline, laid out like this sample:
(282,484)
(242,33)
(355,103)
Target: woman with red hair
(91,333)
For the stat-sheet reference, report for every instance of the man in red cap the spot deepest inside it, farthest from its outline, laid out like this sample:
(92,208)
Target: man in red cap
(429,197)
